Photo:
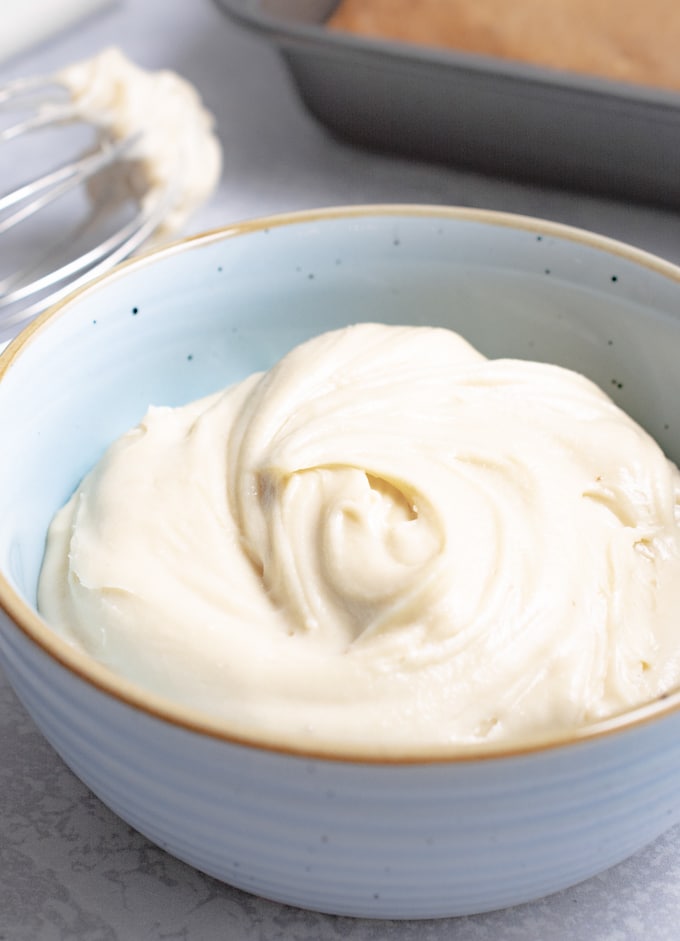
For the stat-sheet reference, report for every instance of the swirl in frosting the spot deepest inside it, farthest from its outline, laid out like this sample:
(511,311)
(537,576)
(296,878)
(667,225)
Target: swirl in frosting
(384,543)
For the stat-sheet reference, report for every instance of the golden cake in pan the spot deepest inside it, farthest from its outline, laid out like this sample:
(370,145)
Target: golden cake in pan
(614,39)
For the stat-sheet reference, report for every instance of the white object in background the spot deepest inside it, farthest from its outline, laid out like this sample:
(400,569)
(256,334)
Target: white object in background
(32,21)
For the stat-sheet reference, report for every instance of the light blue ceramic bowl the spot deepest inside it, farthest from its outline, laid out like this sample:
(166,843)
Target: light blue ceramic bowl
(437,835)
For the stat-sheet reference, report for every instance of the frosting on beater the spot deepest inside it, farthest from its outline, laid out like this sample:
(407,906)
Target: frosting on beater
(176,155)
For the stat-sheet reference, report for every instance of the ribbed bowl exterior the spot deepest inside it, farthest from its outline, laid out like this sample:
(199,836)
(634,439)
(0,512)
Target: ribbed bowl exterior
(373,840)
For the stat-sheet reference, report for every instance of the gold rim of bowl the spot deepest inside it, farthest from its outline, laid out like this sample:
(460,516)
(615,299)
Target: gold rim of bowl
(29,622)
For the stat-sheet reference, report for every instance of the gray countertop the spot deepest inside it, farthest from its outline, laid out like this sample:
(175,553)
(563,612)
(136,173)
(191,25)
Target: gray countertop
(69,869)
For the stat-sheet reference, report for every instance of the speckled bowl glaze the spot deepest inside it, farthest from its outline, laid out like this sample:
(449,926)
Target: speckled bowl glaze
(429,835)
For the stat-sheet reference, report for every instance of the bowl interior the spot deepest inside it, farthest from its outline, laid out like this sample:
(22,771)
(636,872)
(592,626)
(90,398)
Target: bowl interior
(197,316)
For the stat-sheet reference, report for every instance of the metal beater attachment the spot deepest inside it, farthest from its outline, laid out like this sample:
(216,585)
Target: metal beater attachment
(146,156)
(43,273)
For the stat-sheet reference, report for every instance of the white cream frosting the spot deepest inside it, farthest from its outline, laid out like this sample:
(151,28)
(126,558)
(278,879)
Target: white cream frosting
(383,544)
(177,156)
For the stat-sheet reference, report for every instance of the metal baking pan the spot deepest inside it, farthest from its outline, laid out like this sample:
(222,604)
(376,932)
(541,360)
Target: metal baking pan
(492,115)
